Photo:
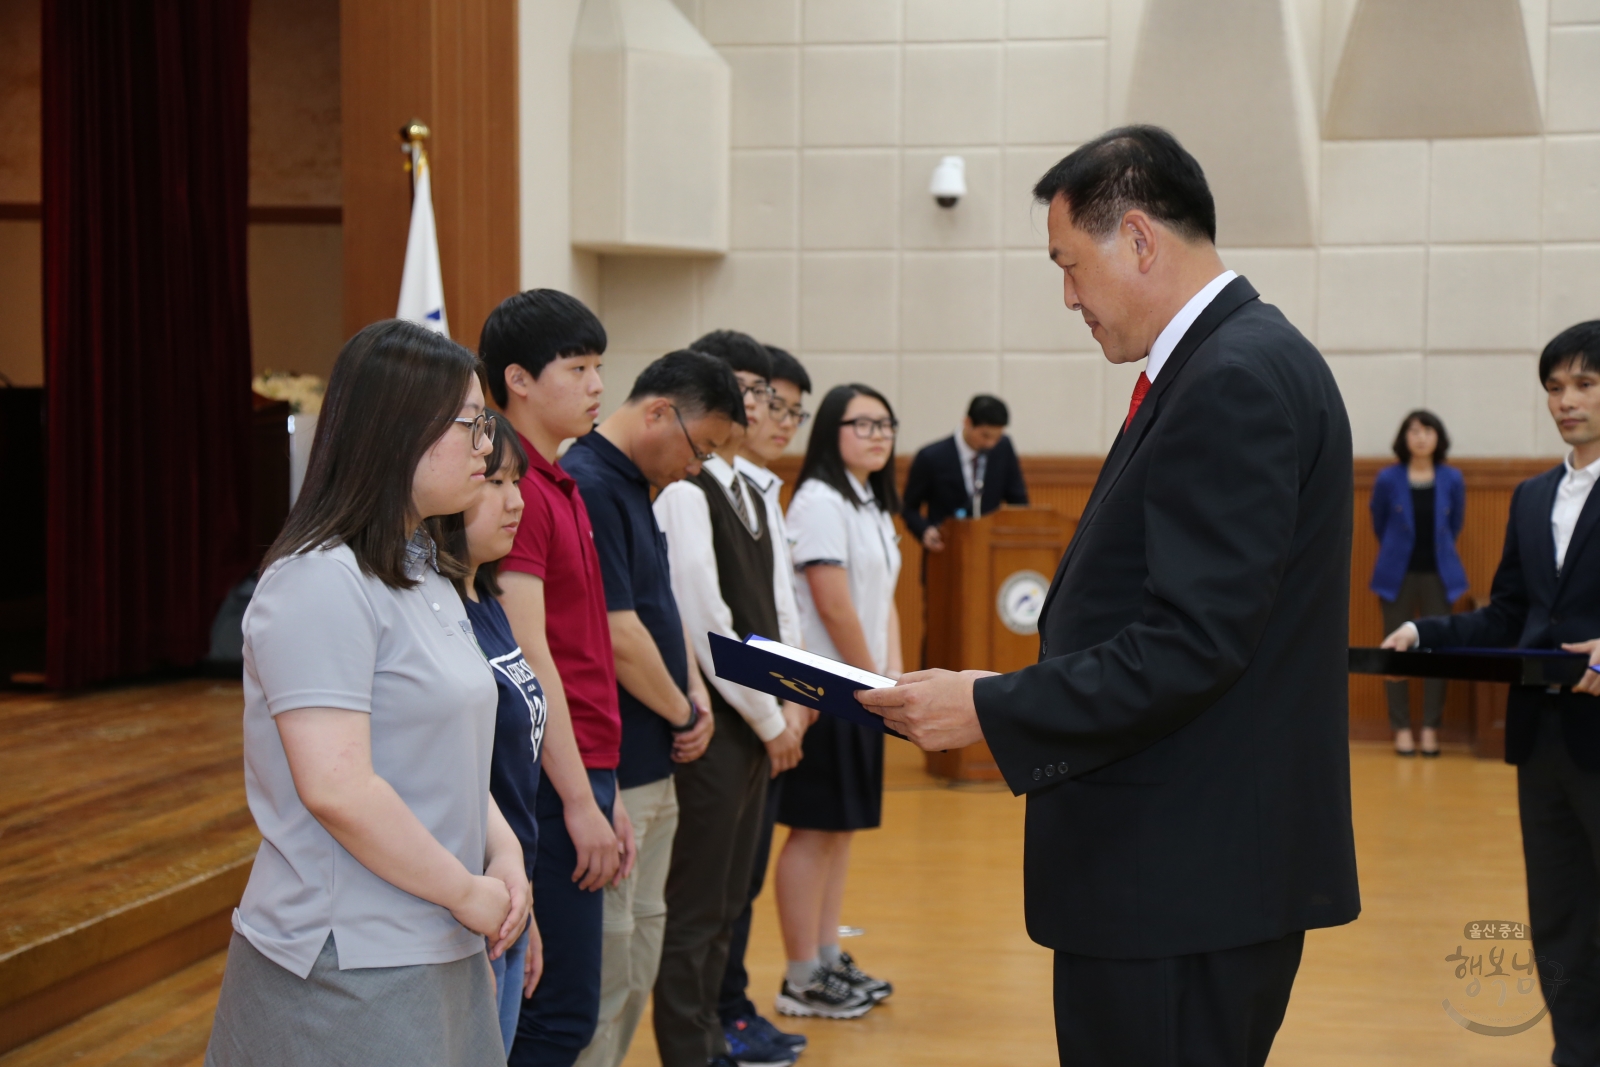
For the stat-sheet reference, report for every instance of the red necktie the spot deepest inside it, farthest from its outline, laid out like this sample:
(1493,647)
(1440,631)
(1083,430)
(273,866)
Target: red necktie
(1141,387)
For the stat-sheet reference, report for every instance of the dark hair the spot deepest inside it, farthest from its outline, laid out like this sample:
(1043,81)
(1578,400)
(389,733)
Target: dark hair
(1578,344)
(986,410)
(697,383)
(507,452)
(825,463)
(788,369)
(1431,421)
(393,391)
(532,330)
(738,350)
(1133,167)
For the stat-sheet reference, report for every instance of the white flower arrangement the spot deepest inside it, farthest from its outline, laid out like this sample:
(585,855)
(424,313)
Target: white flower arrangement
(302,391)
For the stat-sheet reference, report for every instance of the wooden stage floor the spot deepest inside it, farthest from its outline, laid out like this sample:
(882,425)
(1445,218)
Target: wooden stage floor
(938,892)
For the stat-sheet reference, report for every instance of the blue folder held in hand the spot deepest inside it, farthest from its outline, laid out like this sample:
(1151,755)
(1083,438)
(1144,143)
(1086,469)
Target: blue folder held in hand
(790,673)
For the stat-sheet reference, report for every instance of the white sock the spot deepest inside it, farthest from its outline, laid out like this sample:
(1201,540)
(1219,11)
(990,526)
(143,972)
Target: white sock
(801,972)
(829,955)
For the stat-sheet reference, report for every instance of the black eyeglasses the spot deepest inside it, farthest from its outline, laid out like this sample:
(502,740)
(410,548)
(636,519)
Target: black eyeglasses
(868,428)
(482,428)
(760,390)
(699,456)
(782,413)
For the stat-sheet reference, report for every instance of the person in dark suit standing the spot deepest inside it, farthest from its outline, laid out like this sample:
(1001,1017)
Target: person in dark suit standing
(1183,738)
(1546,594)
(966,475)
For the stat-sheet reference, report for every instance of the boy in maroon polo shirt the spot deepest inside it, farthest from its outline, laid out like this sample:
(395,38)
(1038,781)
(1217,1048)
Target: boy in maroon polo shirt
(543,352)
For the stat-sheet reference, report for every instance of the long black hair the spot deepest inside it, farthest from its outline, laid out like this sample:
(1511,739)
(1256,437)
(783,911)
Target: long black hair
(1427,418)
(823,460)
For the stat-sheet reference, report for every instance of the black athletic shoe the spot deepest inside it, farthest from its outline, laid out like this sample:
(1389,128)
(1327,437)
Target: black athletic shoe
(763,1027)
(828,997)
(748,1047)
(875,988)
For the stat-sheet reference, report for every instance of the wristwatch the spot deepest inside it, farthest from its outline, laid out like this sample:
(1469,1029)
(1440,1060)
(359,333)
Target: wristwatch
(694,717)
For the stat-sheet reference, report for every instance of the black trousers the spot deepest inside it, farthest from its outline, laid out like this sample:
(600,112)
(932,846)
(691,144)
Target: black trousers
(721,797)
(1211,1009)
(1560,808)
(1421,594)
(734,1002)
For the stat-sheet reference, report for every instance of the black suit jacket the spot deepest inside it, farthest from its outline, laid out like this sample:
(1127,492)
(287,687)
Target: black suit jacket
(1183,740)
(936,480)
(1533,606)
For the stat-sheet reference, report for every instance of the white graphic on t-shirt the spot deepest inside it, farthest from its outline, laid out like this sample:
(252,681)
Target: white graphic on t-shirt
(516,668)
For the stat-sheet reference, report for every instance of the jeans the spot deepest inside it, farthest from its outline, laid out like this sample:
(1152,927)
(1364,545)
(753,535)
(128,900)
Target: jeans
(508,994)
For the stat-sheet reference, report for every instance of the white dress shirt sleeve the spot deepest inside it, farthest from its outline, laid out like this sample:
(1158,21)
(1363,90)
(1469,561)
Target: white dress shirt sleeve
(685,517)
(789,631)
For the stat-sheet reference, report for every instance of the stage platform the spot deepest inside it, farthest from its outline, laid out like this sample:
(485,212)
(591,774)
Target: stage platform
(125,842)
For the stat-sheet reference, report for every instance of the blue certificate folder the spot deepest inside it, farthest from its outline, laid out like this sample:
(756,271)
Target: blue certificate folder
(789,673)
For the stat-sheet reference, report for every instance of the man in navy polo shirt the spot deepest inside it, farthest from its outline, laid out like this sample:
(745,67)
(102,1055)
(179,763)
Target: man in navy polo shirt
(682,408)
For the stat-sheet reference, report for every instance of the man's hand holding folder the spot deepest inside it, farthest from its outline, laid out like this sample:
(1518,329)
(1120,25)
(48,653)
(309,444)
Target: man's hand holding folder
(933,710)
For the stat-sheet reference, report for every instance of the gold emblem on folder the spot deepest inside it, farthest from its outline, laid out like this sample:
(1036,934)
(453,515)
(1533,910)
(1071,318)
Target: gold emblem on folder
(810,692)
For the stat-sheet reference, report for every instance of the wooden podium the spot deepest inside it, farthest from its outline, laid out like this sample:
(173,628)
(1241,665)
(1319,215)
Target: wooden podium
(983,597)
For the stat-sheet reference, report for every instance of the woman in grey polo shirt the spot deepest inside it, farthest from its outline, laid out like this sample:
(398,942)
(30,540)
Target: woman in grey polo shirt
(368,723)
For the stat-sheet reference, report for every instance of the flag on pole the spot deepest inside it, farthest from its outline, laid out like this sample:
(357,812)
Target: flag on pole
(421,282)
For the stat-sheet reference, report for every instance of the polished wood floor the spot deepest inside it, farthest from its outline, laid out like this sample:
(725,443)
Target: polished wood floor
(938,892)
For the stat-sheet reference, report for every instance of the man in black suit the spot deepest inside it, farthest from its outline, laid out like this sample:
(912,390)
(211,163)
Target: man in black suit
(1183,738)
(1546,594)
(966,475)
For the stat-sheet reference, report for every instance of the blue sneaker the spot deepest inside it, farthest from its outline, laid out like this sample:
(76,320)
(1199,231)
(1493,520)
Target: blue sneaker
(747,1048)
(772,1034)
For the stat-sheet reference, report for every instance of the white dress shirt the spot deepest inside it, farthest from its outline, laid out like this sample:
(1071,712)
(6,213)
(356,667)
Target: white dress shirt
(1570,497)
(685,517)
(769,485)
(972,462)
(1169,337)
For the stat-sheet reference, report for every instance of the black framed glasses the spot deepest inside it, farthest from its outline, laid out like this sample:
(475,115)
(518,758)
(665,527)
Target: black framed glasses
(699,456)
(782,413)
(869,428)
(760,390)
(482,428)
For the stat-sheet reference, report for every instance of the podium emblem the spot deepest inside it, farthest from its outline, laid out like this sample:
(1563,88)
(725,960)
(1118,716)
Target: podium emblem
(1020,601)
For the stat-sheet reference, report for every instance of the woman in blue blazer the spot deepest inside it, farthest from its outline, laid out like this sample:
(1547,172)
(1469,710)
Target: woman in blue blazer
(1417,576)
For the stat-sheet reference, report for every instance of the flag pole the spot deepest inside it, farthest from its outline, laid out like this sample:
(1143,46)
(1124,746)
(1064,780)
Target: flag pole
(421,280)
(413,136)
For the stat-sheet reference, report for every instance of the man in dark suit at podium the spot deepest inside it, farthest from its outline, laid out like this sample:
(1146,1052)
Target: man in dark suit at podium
(1546,593)
(1183,739)
(966,475)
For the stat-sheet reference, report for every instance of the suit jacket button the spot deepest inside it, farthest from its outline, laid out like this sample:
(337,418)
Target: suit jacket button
(1037,774)
(1063,767)
(1049,770)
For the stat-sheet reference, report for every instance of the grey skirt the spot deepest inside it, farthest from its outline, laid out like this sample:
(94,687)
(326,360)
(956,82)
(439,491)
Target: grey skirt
(434,1015)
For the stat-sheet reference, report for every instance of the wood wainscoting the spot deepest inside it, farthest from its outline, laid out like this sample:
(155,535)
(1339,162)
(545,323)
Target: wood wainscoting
(1473,715)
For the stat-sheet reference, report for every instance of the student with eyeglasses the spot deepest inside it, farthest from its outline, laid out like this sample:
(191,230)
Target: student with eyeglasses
(847,562)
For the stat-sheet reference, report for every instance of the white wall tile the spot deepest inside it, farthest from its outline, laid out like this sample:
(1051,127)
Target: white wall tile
(750,21)
(847,302)
(1567,11)
(1574,94)
(1485,190)
(765,198)
(648,302)
(849,198)
(756,292)
(852,21)
(1055,402)
(1572,189)
(1374,192)
(1285,277)
(935,391)
(1056,18)
(1034,317)
(1022,222)
(1370,299)
(973,223)
(850,96)
(1484,401)
(949,301)
(1569,288)
(618,371)
(1378,391)
(954,20)
(952,94)
(1116,390)
(1483,299)
(766,96)
(1055,91)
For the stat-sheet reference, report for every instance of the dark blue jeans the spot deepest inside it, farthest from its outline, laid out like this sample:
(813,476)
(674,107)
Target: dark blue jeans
(558,1021)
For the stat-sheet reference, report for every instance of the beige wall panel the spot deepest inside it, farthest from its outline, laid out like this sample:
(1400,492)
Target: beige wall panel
(972,223)
(1034,316)
(21,302)
(1337,15)
(1055,402)
(1056,18)
(764,200)
(1285,278)
(1116,389)
(295,138)
(952,94)
(19,102)
(1371,299)
(935,391)
(1572,189)
(1483,299)
(618,371)
(1055,92)
(851,21)
(949,302)
(1485,190)
(1486,401)
(757,292)
(1023,221)
(1374,192)
(296,277)
(1569,288)
(1378,391)
(750,21)
(648,303)
(544,124)
(1434,68)
(850,96)
(1574,79)
(849,199)
(766,96)
(954,20)
(1566,11)
(848,302)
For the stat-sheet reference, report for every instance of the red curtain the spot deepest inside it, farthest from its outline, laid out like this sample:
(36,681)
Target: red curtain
(147,337)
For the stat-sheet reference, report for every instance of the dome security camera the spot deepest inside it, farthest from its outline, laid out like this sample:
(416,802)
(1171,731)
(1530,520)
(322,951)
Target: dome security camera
(949,183)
